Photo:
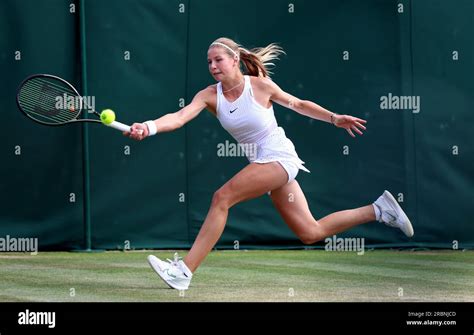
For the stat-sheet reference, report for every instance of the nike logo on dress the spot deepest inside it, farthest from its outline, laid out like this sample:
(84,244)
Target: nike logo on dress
(234,110)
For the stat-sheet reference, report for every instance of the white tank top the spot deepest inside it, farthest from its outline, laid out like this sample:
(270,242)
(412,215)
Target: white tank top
(246,120)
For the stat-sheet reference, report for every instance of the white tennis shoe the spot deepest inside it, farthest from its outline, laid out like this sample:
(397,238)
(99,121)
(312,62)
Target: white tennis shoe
(392,214)
(174,272)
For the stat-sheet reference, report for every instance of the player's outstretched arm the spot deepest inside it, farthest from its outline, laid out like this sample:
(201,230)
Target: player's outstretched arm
(171,121)
(313,110)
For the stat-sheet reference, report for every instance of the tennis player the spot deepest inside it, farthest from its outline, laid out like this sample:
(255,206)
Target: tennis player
(243,104)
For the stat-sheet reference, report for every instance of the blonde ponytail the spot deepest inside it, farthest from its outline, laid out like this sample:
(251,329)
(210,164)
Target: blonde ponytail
(256,61)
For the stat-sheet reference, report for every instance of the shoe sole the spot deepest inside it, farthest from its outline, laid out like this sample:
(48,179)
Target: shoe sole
(159,274)
(408,228)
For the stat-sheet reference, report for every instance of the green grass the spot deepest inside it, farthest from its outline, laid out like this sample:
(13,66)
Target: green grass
(228,276)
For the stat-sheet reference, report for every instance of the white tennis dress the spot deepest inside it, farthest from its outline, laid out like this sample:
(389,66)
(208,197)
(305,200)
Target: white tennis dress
(256,130)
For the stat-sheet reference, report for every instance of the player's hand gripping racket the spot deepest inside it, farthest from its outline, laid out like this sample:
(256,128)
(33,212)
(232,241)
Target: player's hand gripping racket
(53,101)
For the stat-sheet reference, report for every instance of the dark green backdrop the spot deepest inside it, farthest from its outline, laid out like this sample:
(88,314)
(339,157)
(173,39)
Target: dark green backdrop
(155,194)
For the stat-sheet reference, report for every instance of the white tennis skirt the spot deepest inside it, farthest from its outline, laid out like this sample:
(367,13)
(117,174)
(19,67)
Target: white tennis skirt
(276,147)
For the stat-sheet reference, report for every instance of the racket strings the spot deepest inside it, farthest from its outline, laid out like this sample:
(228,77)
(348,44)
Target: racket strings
(27,99)
(42,101)
(47,95)
(39,98)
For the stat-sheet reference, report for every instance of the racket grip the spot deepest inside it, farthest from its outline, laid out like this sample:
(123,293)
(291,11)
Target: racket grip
(119,126)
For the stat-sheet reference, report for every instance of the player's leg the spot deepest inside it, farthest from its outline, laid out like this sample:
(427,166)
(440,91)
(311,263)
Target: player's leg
(291,203)
(251,182)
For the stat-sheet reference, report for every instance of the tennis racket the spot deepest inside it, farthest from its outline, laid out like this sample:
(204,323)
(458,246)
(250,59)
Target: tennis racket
(52,101)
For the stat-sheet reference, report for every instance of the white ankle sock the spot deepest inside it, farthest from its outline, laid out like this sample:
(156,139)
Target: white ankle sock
(377,212)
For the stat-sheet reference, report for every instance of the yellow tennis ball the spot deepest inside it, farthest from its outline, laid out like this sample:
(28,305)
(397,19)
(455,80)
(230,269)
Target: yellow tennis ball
(107,116)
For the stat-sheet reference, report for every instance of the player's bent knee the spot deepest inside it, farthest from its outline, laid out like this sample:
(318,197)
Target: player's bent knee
(311,236)
(307,240)
(221,199)
(310,239)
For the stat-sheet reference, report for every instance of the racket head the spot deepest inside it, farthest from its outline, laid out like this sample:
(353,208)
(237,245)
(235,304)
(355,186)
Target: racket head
(49,100)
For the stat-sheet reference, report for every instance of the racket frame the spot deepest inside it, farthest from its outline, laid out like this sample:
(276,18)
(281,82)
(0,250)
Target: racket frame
(114,124)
